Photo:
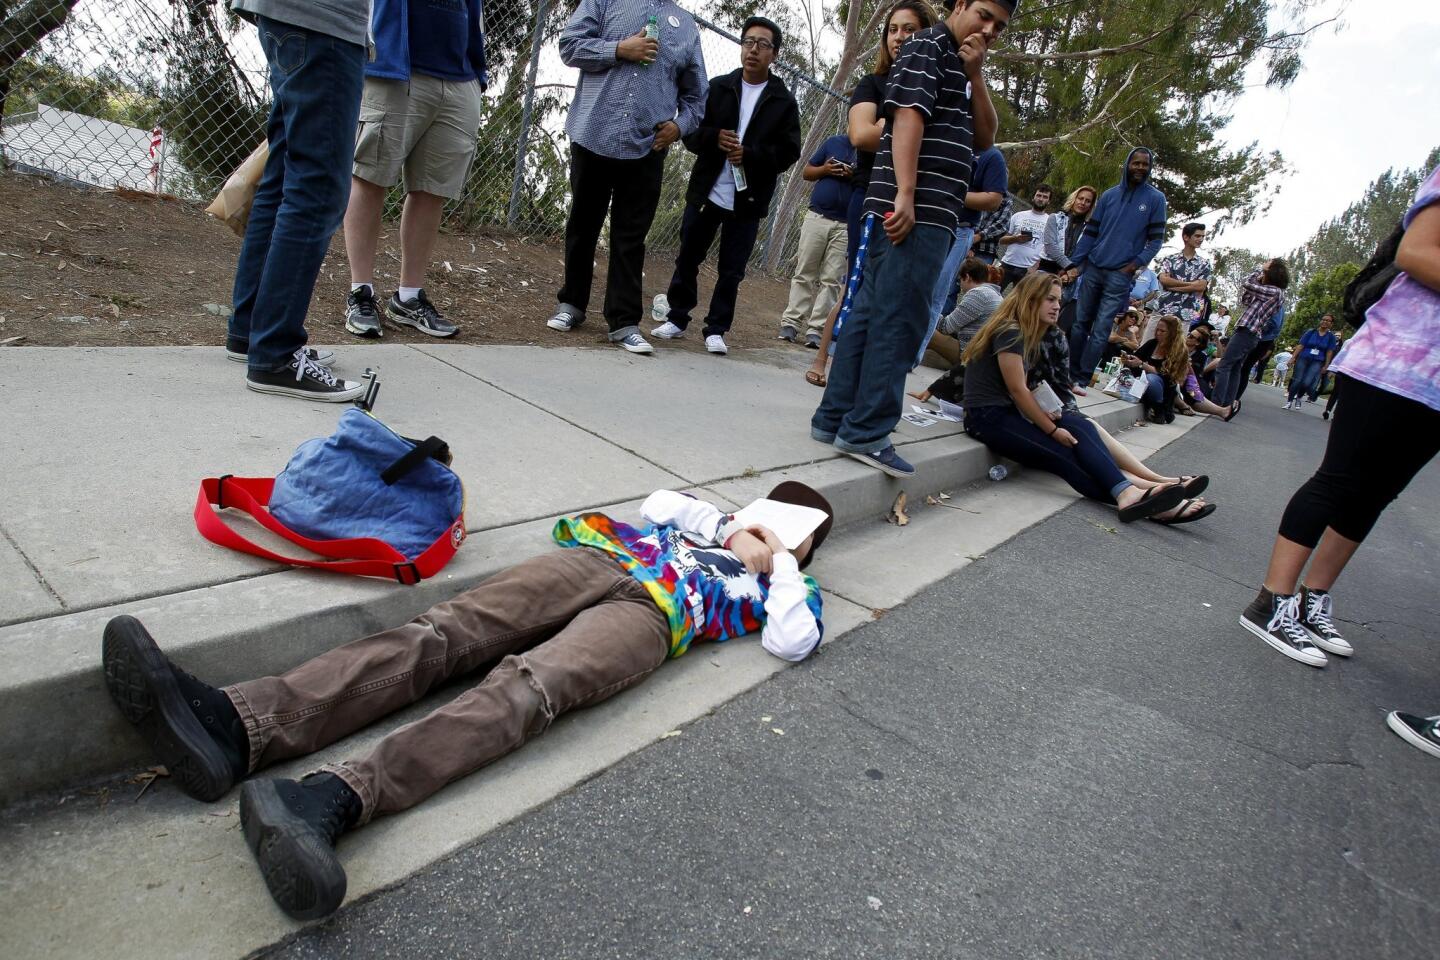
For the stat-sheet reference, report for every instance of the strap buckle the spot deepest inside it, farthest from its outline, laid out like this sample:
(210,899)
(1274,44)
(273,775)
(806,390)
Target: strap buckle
(407,570)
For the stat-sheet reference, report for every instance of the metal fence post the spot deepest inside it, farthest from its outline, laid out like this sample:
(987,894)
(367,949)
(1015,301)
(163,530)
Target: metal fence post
(537,37)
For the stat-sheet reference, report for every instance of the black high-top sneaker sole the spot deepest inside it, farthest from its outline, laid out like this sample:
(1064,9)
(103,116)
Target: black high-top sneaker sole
(299,867)
(142,684)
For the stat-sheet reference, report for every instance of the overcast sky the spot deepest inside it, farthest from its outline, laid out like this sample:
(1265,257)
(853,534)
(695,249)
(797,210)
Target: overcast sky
(1367,99)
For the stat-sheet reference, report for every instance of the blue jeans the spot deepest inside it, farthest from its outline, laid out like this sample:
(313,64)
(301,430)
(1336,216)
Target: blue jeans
(945,283)
(1306,378)
(315,80)
(865,391)
(1103,294)
(1230,374)
(1087,466)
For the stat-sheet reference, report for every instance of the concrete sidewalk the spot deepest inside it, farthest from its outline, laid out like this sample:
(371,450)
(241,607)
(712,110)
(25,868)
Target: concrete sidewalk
(104,449)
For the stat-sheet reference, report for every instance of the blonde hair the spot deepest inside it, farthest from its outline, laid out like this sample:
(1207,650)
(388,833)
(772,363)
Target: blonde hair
(1069,205)
(1020,310)
(1175,364)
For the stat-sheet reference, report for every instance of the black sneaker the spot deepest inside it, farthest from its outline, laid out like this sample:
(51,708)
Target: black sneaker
(1276,620)
(193,728)
(318,355)
(787,333)
(421,314)
(812,341)
(1421,732)
(362,314)
(291,828)
(1317,613)
(303,377)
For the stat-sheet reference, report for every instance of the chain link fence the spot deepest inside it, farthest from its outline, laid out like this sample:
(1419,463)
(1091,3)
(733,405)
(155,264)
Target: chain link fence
(170,96)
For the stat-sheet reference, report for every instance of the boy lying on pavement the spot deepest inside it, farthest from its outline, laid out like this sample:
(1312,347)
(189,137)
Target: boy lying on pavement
(559,631)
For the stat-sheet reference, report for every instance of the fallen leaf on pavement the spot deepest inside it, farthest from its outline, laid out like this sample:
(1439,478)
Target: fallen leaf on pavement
(669,733)
(777,731)
(897,514)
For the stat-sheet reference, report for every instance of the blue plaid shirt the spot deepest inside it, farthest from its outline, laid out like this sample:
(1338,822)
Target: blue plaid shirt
(619,103)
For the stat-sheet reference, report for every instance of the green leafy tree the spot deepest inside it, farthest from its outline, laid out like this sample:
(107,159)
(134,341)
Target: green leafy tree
(1353,235)
(1323,293)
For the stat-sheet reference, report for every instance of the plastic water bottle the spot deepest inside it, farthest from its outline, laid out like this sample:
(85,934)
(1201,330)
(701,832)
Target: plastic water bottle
(998,472)
(652,32)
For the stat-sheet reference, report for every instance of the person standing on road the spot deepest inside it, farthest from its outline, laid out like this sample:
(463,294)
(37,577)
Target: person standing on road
(1262,297)
(820,259)
(419,113)
(941,115)
(1024,239)
(1260,353)
(635,97)
(1312,360)
(316,55)
(1388,431)
(563,630)
(1123,235)
(749,135)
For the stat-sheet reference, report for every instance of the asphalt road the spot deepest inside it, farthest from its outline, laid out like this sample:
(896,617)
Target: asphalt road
(1069,749)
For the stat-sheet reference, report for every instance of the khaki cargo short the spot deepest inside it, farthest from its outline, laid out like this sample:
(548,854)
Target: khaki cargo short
(425,126)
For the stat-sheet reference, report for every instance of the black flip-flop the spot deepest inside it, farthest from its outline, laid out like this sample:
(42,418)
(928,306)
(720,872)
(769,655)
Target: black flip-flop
(1183,517)
(1156,500)
(1194,486)
(1233,410)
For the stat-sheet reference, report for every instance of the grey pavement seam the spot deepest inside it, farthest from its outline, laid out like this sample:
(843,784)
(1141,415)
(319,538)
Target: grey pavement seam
(531,403)
(35,572)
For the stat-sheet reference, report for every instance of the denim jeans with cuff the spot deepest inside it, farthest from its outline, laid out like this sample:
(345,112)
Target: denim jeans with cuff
(315,82)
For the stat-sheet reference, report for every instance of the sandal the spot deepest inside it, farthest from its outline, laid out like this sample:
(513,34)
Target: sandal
(1233,410)
(1182,517)
(1194,486)
(818,379)
(1156,500)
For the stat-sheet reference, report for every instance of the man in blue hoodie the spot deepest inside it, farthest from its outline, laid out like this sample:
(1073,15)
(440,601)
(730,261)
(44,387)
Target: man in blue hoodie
(419,114)
(1122,237)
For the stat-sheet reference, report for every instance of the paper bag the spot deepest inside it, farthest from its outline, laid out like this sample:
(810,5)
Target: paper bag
(231,205)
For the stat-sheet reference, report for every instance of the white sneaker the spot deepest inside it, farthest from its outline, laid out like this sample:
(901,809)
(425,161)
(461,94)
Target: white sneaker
(634,343)
(667,331)
(716,344)
(659,308)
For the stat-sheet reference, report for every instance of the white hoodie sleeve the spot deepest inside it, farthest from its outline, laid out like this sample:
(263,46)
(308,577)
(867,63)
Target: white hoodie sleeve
(790,631)
(699,519)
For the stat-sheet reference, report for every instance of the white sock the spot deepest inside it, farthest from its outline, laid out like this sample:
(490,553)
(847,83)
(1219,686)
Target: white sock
(409,293)
(359,286)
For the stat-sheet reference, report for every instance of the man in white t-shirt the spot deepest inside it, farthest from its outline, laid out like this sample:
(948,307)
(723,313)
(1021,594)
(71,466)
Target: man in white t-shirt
(749,135)
(1026,237)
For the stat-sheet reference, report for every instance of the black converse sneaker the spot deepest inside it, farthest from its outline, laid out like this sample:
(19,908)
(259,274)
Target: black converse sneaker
(1316,616)
(1276,620)
(291,827)
(193,728)
(421,314)
(303,377)
(1421,732)
(325,358)
(362,315)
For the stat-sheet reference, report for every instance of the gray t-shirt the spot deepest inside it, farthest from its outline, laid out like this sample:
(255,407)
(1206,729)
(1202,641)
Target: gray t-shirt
(984,383)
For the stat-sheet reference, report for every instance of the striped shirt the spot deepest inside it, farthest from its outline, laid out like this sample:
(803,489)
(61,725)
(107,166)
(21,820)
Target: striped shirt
(618,103)
(929,76)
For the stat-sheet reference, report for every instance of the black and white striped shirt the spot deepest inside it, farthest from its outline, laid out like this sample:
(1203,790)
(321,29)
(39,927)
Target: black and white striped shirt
(930,77)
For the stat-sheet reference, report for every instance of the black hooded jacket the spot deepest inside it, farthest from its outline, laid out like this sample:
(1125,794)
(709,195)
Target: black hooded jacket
(771,141)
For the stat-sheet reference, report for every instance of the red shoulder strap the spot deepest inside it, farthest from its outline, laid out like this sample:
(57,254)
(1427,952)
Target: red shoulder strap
(360,556)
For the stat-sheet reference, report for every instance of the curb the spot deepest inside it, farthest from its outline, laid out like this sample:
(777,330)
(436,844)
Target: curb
(58,727)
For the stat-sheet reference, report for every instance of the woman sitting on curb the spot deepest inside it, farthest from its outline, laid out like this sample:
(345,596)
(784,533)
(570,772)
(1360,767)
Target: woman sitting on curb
(1001,412)
(1165,364)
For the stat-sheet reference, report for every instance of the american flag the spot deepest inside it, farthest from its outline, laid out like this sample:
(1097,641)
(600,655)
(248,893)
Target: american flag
(157,136)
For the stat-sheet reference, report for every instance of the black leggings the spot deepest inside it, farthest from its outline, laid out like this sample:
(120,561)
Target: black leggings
(1376,447)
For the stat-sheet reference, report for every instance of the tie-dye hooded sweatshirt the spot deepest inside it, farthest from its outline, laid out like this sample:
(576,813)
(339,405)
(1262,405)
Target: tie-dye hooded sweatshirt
(703,589)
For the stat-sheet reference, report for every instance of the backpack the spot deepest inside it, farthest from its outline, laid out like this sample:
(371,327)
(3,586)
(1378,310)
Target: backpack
(1373,279)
